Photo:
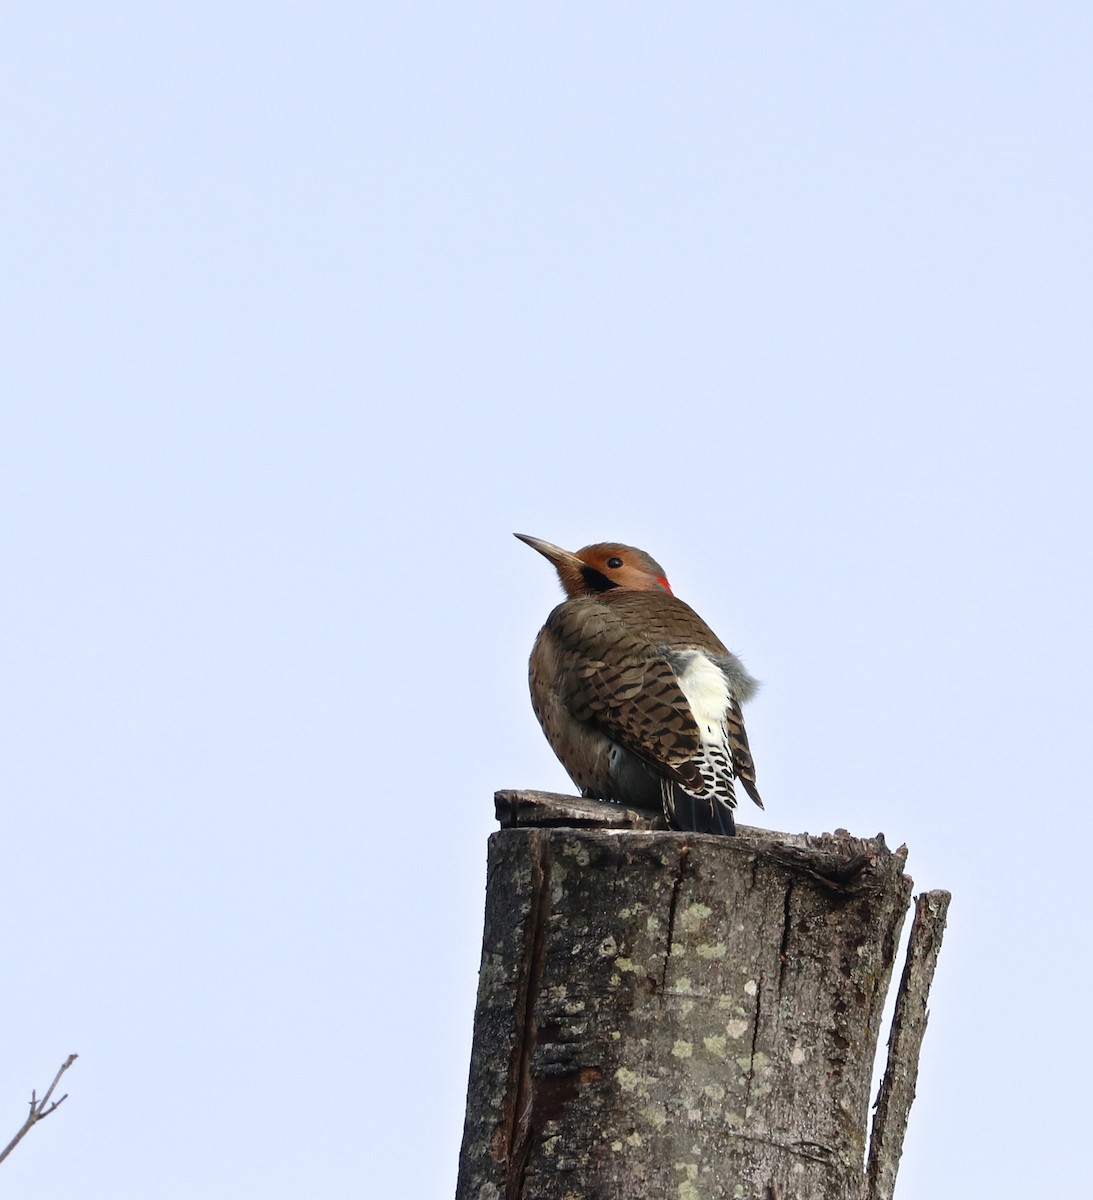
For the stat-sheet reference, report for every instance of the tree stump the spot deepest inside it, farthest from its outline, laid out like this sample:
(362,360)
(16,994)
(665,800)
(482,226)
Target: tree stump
(666,1014)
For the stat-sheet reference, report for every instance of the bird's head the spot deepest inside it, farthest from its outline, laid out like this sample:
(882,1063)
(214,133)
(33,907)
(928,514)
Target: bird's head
(601,567)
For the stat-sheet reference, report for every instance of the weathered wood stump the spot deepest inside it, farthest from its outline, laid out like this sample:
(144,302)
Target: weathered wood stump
(676,1015)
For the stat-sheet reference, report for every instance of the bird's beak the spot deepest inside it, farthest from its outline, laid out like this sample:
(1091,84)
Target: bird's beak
(559,557)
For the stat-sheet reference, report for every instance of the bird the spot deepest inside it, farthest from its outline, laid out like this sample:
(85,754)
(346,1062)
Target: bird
(637,696)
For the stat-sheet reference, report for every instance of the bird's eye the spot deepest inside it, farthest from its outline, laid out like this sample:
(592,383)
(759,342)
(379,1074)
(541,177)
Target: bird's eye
(614,563)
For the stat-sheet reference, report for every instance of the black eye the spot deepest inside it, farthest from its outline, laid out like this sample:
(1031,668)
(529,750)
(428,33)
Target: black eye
(614,563)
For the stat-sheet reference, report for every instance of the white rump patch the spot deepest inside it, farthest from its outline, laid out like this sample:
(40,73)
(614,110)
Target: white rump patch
(707,691)
(709,694)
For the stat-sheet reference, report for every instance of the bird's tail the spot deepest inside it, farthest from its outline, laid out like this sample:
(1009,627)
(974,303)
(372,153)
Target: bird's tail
(697,814)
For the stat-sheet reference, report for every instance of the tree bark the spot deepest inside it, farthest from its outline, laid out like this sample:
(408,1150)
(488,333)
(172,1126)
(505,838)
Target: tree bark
(664,1014)
(897,1089)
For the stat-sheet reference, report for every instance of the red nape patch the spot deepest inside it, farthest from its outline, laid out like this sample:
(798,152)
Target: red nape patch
(665,585)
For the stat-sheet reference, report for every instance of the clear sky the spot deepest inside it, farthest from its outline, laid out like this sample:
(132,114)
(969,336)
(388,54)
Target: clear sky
(307,307)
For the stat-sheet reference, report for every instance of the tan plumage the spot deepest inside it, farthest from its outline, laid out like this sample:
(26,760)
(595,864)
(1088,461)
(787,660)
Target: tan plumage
(636,694)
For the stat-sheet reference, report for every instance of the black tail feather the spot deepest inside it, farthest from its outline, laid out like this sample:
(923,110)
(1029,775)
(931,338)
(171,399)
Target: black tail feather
(697,814)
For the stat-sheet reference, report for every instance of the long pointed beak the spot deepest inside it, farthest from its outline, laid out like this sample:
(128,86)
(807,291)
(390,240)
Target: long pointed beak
(554,554)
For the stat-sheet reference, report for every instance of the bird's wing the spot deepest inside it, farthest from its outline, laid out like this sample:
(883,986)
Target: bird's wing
(743,764)
(617,680)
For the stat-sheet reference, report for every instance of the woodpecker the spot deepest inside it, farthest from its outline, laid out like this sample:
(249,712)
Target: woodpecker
(637,696)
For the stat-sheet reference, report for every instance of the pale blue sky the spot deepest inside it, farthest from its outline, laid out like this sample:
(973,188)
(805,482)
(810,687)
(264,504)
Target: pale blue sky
(306,309)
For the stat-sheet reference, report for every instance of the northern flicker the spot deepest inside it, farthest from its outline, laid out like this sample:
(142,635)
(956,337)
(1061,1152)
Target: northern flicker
(637,696)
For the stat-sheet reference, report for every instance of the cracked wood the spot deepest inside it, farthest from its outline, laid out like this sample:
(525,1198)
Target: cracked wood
(674,1014)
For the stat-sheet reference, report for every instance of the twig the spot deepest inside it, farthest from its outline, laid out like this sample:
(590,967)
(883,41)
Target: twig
(39,1108)
(897,1089)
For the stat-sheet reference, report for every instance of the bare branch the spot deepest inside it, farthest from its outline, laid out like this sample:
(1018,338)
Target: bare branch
(897,1089)
(40,1108)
